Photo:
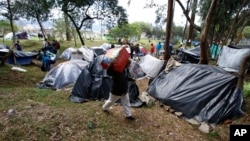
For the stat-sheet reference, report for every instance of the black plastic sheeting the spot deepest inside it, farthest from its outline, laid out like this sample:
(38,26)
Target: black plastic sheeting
(205,93)
(190,55)
(95,84)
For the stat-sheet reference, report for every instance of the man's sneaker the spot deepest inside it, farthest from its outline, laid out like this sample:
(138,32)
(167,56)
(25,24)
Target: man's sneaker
(130,118)
(106,111)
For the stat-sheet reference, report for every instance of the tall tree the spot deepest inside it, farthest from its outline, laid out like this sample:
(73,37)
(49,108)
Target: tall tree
(67,27)
(168,28)
(204,33)
(9,15)
(190,33)
(83,13)
(5,27)
(38,10)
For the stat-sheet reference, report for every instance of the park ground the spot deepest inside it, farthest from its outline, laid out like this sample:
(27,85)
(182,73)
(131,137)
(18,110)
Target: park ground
(30,113)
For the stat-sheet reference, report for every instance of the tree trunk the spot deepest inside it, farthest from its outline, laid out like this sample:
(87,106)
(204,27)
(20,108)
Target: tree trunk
(67,28)
(241,74)
(185,28)
(77,29)
(168,29)
(191,28)
(185,12)
(14,35)
(204,33)
(41,26)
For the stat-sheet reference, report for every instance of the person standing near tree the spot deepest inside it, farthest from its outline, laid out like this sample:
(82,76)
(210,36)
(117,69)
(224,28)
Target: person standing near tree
(18,46)
(119,90)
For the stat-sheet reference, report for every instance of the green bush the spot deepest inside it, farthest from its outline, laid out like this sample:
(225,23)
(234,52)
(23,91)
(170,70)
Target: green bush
(246,89)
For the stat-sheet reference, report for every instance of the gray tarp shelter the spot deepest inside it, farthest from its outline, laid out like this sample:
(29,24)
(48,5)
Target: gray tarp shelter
(231,57)
(21,57)
(205,93)
(64,74)
(94,84)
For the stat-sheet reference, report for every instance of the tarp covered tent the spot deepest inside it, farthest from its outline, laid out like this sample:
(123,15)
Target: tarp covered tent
(21,57)
(151,65)
(205,93)
(82,53)
(189,55)
(64,74)
(4,49)
(95,84)
(231,57)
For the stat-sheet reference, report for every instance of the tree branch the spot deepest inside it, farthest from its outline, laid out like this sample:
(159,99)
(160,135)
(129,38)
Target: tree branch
(185,12)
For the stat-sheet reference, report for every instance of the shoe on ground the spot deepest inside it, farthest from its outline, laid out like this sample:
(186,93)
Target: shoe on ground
(130,118)
(106,111)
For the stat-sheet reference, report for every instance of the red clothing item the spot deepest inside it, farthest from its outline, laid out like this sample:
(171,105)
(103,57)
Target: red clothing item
(152,49)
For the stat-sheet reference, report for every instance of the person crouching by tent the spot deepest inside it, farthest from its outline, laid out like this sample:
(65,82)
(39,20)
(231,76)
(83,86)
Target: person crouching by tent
(119,89)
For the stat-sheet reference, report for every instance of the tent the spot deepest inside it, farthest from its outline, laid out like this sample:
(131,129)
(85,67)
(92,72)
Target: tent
(21,57)
(82,53)
(229,57)
(205,93)
(4,49)
(95,84)
(64,74)
(189,55)
(236,55)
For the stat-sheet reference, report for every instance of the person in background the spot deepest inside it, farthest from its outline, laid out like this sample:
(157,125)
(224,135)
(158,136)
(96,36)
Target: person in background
(119,90)
(152,49)
(137,50)
(112,46)
(45,43)
(18,46)
(158,48)
(56,46)
(132,48)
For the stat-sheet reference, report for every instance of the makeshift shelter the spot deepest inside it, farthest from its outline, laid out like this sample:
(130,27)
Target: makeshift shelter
(189,55)
(64,74)
(151,65)
(21,57)
(235,55)
(95,84)
(82,53)
(202,92)
(4,49)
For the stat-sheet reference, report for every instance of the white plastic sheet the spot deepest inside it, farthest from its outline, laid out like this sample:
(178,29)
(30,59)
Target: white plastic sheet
(151,65)
(230,59)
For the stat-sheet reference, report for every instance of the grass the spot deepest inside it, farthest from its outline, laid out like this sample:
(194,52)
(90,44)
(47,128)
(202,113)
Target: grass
(45,114)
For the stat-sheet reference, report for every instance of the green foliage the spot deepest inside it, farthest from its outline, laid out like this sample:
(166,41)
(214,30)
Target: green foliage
(246,32)
(128,31)
(246,89)
(83,13)
(34,10)
(5,27)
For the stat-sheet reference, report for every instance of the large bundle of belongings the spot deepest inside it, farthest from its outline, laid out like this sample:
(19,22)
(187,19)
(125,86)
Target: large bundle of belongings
(119,56)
